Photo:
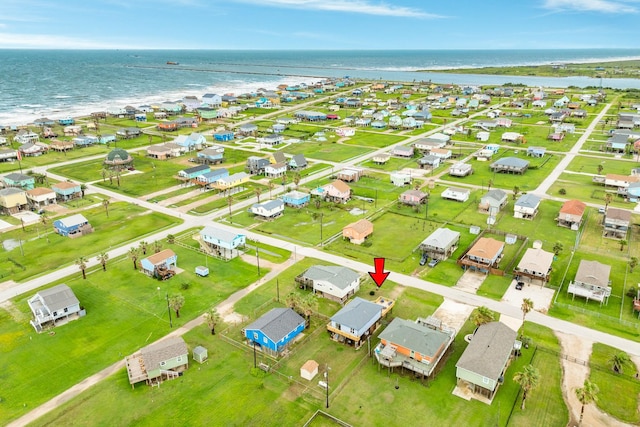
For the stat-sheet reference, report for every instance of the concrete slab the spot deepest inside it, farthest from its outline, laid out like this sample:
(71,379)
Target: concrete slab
(4,225)
(541,296)
(470,281)
(512,322)
(27,217)
(453,314)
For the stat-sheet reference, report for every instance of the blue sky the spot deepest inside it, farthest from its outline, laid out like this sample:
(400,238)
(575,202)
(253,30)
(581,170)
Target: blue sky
(319,24)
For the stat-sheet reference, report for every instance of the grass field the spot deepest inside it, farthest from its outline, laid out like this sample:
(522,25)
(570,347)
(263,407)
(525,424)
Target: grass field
(328,151)
(125,222)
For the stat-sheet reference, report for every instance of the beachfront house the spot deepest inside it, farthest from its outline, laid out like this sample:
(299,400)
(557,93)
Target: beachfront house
(571,214)
(67,190)
(12,200)
(72,226)
(53,306)
(358,231)
(457,194)
(222,243)
(19,180)
(274,331)
(483,256)
(483,363)
(159,361)
(526,207)
(268,210)
(492,202)
(331,282)
(418,346)
(355,322)
(592,281)
(440,244)
(534,265)
(160,265)
(616,223)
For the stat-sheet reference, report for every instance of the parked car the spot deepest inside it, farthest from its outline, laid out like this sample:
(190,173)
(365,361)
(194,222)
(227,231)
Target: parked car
(601,210)
(433,262)
(519,286)
(424,259)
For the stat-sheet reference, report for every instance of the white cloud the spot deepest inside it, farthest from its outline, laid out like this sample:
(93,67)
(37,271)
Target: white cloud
(365,7)
(51,41)
(605,6)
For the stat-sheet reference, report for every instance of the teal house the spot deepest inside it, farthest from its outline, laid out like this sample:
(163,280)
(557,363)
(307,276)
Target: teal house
(19,180)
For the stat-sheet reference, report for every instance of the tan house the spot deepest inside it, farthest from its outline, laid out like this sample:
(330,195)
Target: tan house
(616,223)
(40,196)
(483,256)
(12,200)
(592,281)
(58,145)
(358,231)
(534,265)
(337,191)
(571,214)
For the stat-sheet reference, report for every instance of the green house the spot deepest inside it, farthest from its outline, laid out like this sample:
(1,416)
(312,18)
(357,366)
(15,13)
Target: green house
(157,362)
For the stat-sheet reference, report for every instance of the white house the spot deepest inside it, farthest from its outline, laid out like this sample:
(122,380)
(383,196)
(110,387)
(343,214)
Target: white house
(331,282)
(269,209)
(526,207)
(457,194)
(400,179)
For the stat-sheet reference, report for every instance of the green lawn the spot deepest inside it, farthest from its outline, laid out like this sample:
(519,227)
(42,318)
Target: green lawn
(590,165)
(619,393)
(125,222)
(125,311)
(375,140)
(328,151)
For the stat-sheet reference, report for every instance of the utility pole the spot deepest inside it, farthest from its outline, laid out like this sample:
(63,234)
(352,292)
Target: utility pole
(258,257)
(169,310)
(326,377)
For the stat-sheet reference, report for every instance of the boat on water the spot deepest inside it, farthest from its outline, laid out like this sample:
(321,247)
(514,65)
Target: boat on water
(172,63)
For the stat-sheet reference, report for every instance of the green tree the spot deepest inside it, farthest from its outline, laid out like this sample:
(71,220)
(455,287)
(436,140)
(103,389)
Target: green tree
(526,307)
(633,262)
(81,262)
(105,204)
(527,379)
(102,259)
(296,179)
(143,247)
(258,192)
(157,246)
(557,248)
(600,168)
(212,318)
(83,188)
(619,360)
(171,239)
(482,315)
(176,302)
(133,255)
(623,243)
(586,394)
(516,191)
(294,301)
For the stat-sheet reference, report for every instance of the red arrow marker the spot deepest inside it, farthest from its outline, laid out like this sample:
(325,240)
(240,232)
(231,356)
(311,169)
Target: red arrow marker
(379,276)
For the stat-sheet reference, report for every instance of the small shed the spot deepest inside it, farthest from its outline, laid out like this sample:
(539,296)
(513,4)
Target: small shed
(200,354)
(309,370)
(202,271)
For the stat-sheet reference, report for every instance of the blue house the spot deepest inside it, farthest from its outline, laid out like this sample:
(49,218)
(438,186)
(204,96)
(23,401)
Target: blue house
(296,199)
(194,172)
(222,243)
(105,139)
(19,180)
(67,121)
(161,264)
(274,331)
(213,154)
(67,190)
(190,142)
(72,226)
(225,135)
(210,177)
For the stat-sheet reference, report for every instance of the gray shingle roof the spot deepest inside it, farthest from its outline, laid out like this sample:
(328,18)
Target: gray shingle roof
(357,313)
(441,238)
(58,297)
(15,177)
(513,162)
(528,201)
(277,323)
(488,350)
(419,338)
(163,351)
(341,277)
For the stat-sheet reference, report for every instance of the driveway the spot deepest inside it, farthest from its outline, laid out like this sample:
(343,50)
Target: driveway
(470,281)
(541,296)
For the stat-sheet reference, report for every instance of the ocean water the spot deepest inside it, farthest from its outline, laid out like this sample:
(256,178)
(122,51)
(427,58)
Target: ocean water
(58,83)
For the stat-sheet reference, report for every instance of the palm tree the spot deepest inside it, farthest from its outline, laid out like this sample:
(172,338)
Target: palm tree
(489,184)
(308,304)
(157,246)
(482,315)
(527,306)
(134,254)
(270,188)
(557,248)
(586,394)
(528,379)
(105,203)
(81,262)
(516,191)
(600,168)
(83,188)
(258,192)
(607,200)
(230,202)
(296,179)
(212,317)
(619,360)
(143,247)
(633,262)
(293,301)
(171,239)
(102,259)
(623,243)
(176,301)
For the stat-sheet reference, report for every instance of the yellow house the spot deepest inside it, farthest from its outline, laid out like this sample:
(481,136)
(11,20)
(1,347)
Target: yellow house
(231,181)
(12,200)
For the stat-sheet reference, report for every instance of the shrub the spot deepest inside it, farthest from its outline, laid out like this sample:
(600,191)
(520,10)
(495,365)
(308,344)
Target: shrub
(562,191)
